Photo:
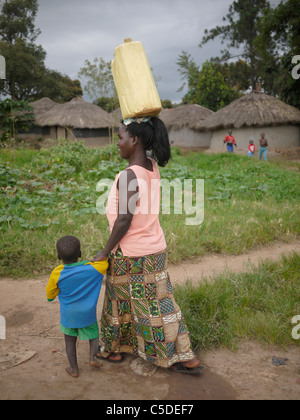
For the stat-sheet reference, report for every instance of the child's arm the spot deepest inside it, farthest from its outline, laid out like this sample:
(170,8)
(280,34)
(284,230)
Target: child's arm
(52,289)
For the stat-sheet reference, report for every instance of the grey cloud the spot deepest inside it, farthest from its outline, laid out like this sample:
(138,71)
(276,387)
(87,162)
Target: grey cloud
(76,30)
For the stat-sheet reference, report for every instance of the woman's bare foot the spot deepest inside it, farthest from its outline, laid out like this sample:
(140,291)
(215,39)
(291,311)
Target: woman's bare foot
(192,363)
(113,357)
(72,372)
(116,357)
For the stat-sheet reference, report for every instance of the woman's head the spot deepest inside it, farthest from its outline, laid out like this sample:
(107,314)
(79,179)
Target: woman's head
(153,136)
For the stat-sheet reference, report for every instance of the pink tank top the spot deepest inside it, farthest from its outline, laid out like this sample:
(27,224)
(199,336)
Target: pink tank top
(145,235)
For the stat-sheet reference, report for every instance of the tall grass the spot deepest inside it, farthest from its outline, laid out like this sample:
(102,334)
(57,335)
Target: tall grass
(258,305)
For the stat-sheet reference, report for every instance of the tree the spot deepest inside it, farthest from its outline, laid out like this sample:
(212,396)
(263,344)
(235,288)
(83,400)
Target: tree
(216,84)
(25,60)
(188,70)
(108,104)
(17,20)
(58,87)
(236,74)
(283,24)
(26,73)
(210,89)
(99,79)
(15,116)
(241,30)
(24,69)
(167,104)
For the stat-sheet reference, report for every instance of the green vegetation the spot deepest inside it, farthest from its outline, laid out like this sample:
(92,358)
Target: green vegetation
(50,193)
(257,305)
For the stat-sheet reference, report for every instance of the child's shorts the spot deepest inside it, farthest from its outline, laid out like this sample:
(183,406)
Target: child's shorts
(230,148)
(88,333)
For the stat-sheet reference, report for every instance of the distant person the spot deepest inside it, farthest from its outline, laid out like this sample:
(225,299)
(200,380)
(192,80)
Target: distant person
(77,285)
(230,141)
(263,142)
(251,148)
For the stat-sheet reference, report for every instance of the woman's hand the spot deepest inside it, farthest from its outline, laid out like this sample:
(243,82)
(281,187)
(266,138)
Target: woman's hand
(101,256)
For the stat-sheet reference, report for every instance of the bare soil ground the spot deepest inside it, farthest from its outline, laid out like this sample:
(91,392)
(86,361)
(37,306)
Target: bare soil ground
(33,333)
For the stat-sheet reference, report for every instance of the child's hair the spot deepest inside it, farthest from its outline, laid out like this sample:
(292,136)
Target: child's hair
(68,248)
(154,136)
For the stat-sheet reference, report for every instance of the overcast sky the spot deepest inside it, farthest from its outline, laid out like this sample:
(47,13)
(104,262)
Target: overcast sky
(76,30)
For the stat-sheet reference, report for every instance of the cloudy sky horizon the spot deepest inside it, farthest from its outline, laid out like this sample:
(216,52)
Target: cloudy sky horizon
(73,31)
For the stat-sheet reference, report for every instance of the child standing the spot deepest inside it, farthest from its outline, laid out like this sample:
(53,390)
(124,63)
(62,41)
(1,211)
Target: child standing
(251,148)
(77,285)
(263,142)
(230,141)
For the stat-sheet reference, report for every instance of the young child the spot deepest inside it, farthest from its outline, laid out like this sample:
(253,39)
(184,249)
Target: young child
(263,142)
(77,285)
(251,148)
(230,140)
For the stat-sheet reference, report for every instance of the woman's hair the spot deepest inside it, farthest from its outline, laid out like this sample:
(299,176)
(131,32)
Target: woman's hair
(154,136)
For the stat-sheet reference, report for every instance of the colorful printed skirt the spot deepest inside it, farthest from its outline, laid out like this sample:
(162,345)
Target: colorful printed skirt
(140,315)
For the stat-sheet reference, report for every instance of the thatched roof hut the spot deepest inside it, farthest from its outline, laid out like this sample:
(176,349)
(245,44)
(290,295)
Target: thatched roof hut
(252,110)
(182,124)
(76,119)
(41,106)
(39,131)
(76,114)
(251,115)
(185,116)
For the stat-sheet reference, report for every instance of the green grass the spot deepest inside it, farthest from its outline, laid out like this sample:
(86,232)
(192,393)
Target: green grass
(50,193)
(257,305)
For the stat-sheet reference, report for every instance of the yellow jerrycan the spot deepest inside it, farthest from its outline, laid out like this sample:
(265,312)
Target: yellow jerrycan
(138,95)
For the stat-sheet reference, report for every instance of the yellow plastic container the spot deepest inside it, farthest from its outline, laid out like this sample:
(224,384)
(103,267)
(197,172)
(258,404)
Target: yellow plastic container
(134,81)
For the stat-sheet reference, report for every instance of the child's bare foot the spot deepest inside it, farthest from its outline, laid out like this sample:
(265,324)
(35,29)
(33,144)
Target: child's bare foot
(95,364)
(72,372)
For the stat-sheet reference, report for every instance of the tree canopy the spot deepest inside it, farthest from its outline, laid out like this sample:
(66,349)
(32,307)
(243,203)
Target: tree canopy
(27,77)
(261,45)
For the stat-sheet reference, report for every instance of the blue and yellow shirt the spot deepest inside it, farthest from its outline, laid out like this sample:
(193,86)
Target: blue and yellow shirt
(77,287)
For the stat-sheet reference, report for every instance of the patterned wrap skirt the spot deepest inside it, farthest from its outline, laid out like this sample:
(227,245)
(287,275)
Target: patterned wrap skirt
(140,315)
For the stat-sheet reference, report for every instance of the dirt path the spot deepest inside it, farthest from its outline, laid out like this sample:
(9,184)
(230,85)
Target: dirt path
(33,326)
(212,265)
